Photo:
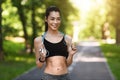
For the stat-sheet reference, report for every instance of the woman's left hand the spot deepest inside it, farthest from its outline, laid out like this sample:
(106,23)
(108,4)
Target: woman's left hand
(73,49)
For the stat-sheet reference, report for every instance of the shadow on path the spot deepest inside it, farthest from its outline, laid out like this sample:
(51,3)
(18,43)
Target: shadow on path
(88,64)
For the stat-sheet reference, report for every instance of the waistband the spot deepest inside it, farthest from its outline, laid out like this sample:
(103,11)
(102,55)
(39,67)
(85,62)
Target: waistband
(62,75)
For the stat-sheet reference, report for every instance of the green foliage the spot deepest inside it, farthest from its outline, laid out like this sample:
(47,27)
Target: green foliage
(10,22)
(1,1)
(111,52)
(10,31)
(113,32)
(114,8)
(94,21)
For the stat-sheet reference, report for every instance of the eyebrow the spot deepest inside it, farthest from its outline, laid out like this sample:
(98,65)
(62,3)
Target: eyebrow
(54,17)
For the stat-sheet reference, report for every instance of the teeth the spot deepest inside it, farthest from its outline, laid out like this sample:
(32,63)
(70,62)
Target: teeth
(54,26)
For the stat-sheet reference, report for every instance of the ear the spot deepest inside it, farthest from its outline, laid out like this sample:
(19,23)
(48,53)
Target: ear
(45,19)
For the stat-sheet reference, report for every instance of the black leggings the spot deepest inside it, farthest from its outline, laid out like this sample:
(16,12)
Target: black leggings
(47,76)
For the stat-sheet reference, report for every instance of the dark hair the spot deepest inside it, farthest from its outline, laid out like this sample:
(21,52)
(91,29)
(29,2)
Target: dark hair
(48,10)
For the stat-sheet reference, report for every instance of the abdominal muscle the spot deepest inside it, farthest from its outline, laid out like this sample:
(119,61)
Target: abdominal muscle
(56,65)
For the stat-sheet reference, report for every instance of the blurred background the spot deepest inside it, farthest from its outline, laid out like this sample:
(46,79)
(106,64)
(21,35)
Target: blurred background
(85,20)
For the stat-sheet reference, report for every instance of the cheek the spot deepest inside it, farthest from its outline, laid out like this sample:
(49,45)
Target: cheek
(59,22)
(49,22)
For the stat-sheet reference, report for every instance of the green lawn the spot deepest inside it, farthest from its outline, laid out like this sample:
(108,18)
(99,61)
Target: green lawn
(112,53)
(16,61)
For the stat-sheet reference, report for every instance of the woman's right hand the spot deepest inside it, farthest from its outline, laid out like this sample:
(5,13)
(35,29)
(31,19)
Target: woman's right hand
(42,53)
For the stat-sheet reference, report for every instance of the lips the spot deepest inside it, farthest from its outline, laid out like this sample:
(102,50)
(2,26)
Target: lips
(55,26)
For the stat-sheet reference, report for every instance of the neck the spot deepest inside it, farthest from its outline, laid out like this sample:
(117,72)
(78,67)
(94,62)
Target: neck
(53,32)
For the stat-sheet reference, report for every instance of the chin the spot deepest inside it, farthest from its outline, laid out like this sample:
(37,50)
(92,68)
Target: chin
(54,29)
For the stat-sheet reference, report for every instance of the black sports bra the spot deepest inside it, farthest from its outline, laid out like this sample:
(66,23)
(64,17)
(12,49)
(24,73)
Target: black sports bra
(56,49)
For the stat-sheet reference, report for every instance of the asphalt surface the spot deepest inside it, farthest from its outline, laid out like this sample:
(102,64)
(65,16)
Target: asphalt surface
(88,64)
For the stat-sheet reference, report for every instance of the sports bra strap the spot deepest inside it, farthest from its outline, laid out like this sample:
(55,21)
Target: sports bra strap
(43,36)
(64,37)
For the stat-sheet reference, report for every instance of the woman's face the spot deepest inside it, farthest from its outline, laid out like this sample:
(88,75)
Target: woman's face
(53,20)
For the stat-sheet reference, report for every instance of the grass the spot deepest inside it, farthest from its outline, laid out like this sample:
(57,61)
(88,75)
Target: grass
(112,53)
(16,61)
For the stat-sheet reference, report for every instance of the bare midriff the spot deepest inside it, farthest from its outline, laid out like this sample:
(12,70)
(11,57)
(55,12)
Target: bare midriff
(56,65)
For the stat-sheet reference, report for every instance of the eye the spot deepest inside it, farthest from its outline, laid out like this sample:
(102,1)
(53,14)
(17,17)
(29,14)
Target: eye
(52,19)
(58,19)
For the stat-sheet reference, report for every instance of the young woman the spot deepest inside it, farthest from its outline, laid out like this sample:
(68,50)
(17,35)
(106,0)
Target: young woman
(54,48)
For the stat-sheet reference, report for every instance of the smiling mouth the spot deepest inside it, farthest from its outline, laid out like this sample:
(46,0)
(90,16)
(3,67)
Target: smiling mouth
(54,26)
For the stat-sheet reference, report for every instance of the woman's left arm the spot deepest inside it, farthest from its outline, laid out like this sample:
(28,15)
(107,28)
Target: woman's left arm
(71,50)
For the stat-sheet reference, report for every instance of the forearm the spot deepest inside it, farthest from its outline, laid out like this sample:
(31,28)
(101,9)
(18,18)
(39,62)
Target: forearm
(39,64)
(40,61)
(40,57)
(69,60)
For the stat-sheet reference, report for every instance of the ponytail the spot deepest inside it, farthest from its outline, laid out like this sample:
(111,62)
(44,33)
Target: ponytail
(46,26)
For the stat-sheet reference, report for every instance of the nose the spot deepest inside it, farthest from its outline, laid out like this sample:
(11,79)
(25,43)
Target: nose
(55,21)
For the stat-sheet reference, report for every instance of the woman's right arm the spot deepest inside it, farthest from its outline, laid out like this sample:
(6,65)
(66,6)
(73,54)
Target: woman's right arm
(37,46)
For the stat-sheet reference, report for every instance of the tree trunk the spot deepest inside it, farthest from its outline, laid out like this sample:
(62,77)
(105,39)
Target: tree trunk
(33,28)
(118,36)
(23,20)
(1,40)
(105,31)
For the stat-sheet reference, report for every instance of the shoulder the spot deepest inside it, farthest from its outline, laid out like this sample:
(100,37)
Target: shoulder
(38,40)
(68,39)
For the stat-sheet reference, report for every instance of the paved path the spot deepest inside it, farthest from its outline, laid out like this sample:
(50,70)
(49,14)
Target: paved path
(88,64)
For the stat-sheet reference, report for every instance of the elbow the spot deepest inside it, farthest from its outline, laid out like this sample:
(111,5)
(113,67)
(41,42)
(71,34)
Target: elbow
(39,65)
(69,64)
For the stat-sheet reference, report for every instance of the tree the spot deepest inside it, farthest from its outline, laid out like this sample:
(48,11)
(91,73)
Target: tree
(114,7)
(93,19)
(20,7)
(32,7)
(116,21)
(1,38)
